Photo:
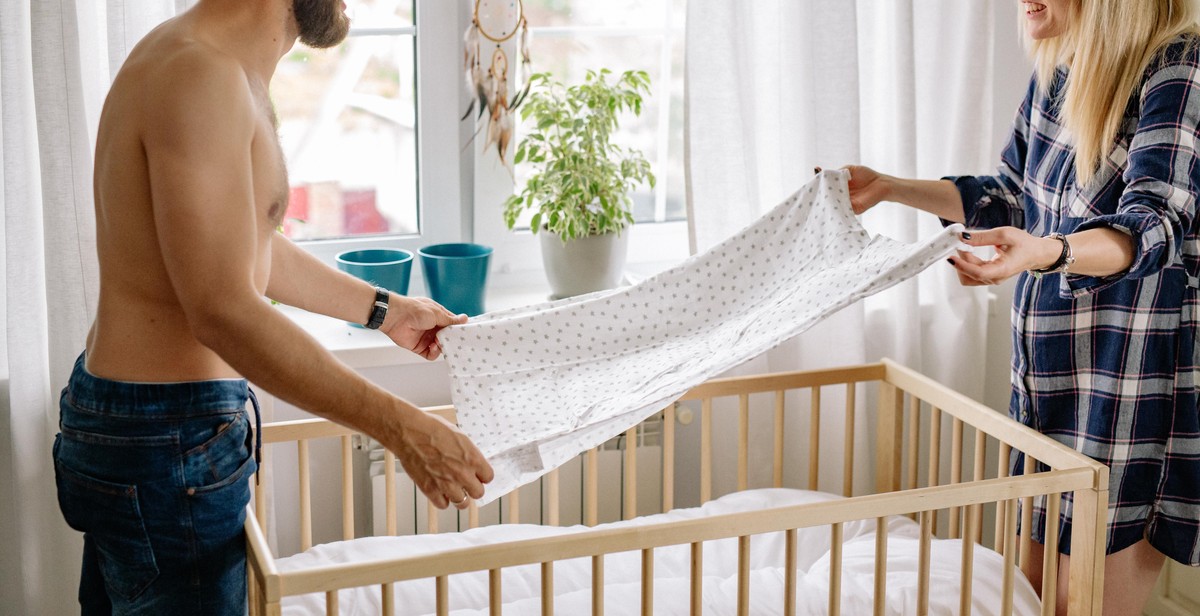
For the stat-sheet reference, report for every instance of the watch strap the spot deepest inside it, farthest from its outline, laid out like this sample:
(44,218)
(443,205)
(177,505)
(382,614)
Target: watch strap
(378,309)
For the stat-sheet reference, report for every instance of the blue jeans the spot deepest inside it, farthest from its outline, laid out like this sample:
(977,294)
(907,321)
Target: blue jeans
(155,476)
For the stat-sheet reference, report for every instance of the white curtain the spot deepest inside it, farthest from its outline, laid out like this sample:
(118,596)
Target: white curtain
(56,62)
(916,88)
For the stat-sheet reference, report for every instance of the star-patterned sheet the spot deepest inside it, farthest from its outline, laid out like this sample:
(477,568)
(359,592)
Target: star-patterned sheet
(536,386)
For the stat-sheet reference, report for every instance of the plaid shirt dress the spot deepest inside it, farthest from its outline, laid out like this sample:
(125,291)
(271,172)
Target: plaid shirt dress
(1109,365)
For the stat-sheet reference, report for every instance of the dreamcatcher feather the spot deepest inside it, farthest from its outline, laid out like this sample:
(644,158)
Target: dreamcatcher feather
(488,83)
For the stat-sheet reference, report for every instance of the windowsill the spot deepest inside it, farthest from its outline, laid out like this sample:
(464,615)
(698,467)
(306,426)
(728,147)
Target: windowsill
(364,348)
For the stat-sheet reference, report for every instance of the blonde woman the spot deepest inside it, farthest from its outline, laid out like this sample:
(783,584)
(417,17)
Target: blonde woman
(1094,212)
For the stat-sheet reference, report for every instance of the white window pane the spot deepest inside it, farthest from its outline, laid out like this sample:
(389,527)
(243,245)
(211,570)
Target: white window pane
(621,13)
(671,179)
(568,58)
(380,13)
(347,123)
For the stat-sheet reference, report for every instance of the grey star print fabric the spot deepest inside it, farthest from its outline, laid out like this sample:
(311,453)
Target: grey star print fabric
(536,386)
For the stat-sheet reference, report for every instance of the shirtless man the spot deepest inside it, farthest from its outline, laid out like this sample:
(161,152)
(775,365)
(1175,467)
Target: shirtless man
(155,446)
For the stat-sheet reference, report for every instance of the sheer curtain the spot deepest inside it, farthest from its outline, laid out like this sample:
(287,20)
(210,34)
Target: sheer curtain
(911,88)
(917,89)
(57,58)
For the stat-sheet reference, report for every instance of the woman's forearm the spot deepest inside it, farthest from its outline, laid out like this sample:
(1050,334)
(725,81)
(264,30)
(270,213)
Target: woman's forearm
(938,197)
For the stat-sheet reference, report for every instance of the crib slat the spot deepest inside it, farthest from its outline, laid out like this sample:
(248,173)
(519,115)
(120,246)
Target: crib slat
(473,515)
(777,464)
(495,601)
(848,454)
(442,589)
(514,506)
(648,582)
(999,541)
(980,454)
(548,588)
(743,592)
(331,603)
(935,453)
(705,450)
(388,595)
(743,459)
(260,488)
(598,585)
(389,490)
(631,447)
(1009,538)
(914,443)
(697,579)
(431,517)
(814,439)
(956,444)
(1027,522)
(552,506)
(305,495)
(968,560)
(591,493)
(888,435)
(1050,565)
(835,570)
(789,573)
(668,464)
(347,488)
(924,553)
(881,532)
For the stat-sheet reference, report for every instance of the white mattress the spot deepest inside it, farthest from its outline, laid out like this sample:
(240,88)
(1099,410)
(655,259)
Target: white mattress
(622,573)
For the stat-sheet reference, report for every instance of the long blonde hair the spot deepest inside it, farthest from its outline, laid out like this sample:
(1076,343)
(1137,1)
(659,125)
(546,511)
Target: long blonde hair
(1107,48)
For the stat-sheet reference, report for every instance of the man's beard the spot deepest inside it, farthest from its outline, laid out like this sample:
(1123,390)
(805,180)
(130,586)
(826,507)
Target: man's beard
(322,23)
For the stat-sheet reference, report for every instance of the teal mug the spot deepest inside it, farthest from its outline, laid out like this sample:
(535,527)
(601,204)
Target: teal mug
(456,275)
(389,268)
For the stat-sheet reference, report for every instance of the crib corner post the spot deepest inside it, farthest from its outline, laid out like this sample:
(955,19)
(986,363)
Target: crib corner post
(889,431)
(1089,521)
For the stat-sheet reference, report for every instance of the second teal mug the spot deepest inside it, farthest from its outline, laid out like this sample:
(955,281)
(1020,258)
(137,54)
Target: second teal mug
(456,275)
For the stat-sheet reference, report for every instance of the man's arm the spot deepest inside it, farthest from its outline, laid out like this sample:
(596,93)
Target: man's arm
(301,280)
(198,139)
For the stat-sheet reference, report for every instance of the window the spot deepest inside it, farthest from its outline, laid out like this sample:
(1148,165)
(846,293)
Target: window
(364,130)
(567,38)
(378,154)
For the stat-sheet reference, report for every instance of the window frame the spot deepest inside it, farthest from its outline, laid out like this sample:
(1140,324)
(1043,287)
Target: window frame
(452,167)
(439,177)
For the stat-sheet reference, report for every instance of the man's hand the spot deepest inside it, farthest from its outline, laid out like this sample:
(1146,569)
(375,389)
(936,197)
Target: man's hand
(414,322)
(443,463)
(1016,251)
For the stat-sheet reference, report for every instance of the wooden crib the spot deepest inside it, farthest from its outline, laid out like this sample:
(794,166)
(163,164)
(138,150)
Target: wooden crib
(908,460)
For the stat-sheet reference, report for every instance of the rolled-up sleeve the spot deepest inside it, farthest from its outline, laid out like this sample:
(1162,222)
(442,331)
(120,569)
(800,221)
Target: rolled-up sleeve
(1161,178)
(991,201)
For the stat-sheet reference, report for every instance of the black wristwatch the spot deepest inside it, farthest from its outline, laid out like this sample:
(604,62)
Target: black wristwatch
(378,309)
(1065,259)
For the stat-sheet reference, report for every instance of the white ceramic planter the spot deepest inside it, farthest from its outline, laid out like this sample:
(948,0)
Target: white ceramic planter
(585,264)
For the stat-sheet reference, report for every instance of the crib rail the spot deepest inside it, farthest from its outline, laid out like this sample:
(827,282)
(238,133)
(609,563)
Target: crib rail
(908,421)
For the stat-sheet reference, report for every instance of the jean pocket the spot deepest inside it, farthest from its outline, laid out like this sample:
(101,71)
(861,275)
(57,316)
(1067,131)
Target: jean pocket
(109,514)
(218,509)
(221,448)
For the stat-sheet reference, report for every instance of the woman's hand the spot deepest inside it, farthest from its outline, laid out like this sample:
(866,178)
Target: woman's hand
(1016,251)
(867,187)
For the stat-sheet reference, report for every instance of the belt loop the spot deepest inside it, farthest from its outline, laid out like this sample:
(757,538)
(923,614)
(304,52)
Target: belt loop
(257,434)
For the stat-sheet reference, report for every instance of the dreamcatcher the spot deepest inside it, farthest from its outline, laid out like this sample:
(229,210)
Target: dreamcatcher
(496,22)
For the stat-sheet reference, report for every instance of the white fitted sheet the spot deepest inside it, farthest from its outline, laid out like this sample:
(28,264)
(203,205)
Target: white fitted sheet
(622,574)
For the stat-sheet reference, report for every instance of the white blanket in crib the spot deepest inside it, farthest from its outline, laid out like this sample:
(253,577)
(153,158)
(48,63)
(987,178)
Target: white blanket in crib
(622,572)
(535,386)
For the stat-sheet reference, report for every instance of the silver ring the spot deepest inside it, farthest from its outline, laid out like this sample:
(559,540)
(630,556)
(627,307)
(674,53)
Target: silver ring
(461,501)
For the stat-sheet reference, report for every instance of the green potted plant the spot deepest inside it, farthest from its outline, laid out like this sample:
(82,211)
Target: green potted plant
(579,188)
